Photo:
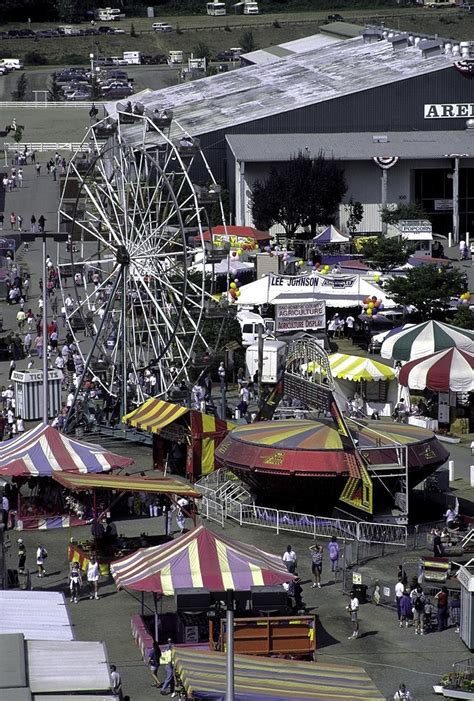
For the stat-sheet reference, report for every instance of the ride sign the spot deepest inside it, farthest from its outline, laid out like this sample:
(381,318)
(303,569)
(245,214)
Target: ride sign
(301,317)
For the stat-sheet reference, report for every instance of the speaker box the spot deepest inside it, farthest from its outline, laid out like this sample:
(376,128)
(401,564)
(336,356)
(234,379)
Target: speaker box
(263,598)
(191,599)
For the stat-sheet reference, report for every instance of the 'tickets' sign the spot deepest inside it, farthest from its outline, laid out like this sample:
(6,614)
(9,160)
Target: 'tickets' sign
(300,317)
(450,111)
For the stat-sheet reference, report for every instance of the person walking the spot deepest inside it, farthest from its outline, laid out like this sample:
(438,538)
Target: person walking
(41,555)
(167,660)
(12,220)
(93,578)
(442,599)
(33,224)
(222,376)
(334,550)
(20,222)
(116,680)
(316,564)
(289,558)
(21,556)
(402,694)
(418,602)
(154,663)
(455,611)
(438,550)
(5,510)
(41,224)
(75,582)
(399,590)
(353,609)
(405,609)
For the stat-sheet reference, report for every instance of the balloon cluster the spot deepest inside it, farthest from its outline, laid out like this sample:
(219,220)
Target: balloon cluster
(372,306)
(465,298)
(245,247)
(233,290)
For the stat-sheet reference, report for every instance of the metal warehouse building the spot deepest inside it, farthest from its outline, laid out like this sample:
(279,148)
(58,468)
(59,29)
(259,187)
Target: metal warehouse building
(377,100)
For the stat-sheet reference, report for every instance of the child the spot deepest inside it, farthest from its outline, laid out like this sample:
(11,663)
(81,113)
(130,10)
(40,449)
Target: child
(75,582)
(428,614)
(405,609)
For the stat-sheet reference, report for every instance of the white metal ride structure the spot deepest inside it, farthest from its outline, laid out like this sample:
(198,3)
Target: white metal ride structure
(132,209)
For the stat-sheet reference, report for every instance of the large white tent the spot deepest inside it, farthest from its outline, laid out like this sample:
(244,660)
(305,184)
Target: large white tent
(336,290)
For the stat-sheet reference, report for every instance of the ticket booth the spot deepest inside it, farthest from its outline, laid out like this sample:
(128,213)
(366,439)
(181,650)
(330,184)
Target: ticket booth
(466,580)
(29,393)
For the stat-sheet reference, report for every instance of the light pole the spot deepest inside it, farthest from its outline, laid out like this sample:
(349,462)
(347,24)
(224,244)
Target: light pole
(55,236)
(455,178)
(229,645)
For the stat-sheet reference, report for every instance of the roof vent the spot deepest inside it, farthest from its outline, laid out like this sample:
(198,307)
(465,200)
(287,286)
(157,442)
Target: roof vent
(430,47)
(470,124)
(399,41)
(380,139)
(448,47)
(372,35)
(455,49)
(464,47)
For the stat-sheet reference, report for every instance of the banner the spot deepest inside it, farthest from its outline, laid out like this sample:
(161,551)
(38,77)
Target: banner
(301,317)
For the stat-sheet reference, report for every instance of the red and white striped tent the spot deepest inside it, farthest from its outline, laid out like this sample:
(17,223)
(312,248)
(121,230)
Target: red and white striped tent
(44,450)
(451,369)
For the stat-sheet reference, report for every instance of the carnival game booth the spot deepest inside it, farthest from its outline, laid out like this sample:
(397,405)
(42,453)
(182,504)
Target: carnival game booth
(184,440)
(237,237)
(109,489)
(372,382)
(198,568)
(32,458)
(203,676)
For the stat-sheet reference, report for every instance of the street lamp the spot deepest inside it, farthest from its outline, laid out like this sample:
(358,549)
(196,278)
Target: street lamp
(55,236)
(91,58)
(455,178)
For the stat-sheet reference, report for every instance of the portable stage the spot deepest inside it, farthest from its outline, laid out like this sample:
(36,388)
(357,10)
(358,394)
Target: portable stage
(174,426)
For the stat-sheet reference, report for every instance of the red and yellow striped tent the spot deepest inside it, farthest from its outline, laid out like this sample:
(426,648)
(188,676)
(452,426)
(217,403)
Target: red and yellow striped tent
(200,433)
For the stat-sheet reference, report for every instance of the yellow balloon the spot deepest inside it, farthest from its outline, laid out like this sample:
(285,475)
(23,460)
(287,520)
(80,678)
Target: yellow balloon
(371,305)
(237,294)
(376,278)
(369,312)
(301,262)
(468,295)
(233,285)
(239,251)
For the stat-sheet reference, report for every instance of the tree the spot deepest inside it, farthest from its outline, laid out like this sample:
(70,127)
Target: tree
(427,288)
(18,135)
(21,86)
(55,92)
(247,42)
(464,318)
(304,192)
(68,10)
(133,31)
(412,210)
(202,50)
(355,214)
(384,253)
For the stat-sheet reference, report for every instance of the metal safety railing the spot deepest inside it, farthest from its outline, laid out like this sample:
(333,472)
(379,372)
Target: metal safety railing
(46,104)
(41,146)
(212,511)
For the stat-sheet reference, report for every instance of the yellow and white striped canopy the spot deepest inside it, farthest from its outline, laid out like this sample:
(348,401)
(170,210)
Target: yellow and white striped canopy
(355,368)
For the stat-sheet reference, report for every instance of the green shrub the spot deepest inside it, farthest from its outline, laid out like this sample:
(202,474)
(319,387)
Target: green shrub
(34,58)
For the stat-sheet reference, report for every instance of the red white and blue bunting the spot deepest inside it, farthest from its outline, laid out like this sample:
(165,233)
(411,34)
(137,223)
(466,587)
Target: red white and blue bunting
(386,162)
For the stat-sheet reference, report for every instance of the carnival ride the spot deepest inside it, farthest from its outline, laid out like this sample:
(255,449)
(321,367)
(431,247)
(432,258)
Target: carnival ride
(135,217)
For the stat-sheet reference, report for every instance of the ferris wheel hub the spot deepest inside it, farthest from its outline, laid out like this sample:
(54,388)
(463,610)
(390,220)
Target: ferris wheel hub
(122,255)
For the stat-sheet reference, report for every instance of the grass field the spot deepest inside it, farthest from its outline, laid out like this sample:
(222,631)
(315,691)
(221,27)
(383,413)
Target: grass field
(219,33)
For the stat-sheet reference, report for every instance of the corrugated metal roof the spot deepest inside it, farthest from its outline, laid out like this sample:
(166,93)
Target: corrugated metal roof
(241,96)
(22,694)
(55,666)
(12,663)
(351,146)
(39,615)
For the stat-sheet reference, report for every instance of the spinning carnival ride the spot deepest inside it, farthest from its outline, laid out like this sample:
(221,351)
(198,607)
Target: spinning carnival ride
(133,213)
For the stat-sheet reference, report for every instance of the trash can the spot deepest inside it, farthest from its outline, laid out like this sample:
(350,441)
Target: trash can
(360,590)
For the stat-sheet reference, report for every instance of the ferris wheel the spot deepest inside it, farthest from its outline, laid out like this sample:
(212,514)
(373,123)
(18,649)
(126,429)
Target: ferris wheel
(135,218)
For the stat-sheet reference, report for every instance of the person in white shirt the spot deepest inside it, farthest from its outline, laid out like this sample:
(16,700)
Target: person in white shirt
(289,558)
(93,578)
(70,400)
(180,514)
(116,680)
(353,609)
(402,694)
(350,321)
(399,590)
(20,426)
(5,510)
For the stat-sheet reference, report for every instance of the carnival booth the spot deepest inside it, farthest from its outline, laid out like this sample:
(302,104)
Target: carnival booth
(203,676)
(32,458)
(237,237)
(184,439)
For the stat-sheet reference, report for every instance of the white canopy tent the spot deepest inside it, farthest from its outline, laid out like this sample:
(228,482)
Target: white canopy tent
(39,615)
(339,291)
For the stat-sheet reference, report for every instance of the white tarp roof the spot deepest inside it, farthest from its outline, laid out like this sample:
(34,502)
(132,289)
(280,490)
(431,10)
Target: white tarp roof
(39,615)
(337,291)
(59,667)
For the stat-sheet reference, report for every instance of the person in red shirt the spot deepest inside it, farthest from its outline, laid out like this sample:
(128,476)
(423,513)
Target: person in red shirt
(442,599)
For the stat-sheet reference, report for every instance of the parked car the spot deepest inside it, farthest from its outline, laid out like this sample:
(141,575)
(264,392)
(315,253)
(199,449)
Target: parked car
(161,27)
(335,18)
(105,30)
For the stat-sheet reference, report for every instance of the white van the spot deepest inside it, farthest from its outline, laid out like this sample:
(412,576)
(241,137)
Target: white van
(12,64)
(249,323)
(161,27)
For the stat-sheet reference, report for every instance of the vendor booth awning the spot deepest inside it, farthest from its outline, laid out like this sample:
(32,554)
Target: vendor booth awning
(355,368)
(451,369)
(43,451)
(200,558)
(235,234)
(202,432)
(126,483)
(337,290)
(426,338)
(203,674)
(330,235)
